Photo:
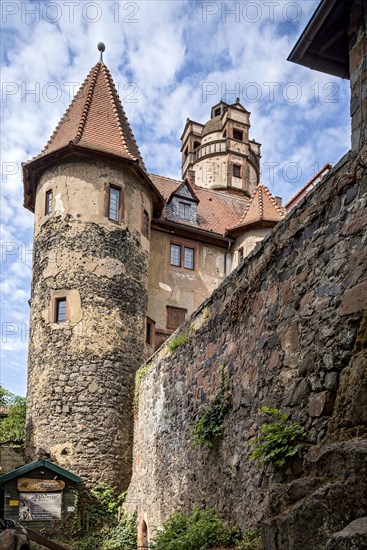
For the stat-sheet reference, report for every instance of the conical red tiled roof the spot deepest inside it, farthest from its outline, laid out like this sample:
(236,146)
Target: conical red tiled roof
(262,208)
(96,120)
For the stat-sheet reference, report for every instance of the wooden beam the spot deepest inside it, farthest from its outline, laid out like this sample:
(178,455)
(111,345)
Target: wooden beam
(40,539)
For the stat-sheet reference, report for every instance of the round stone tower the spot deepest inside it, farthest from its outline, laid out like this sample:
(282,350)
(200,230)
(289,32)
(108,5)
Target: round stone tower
(93,202)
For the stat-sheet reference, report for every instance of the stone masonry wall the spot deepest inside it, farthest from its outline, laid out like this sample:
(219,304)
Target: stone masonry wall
(284,324)
(81,372)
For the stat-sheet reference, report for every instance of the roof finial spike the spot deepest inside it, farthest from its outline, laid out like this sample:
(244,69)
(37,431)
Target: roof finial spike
(101,47)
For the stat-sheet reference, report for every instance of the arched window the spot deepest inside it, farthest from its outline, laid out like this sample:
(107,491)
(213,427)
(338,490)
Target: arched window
(143,541)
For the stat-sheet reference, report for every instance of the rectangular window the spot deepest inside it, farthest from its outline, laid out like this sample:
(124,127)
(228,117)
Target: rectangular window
(60,310)
(189,254)
(114,204)
(48,207)
(237,170)
(175,317)
(145,228)
(176,255)
(182,256)
(240,254)
(237,134)
(184,211)
(148,337)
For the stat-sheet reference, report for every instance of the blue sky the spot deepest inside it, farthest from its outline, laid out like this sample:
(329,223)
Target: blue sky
(170,59)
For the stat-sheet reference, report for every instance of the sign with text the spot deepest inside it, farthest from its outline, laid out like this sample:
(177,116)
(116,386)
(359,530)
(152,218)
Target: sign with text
(39,506)
(28,485)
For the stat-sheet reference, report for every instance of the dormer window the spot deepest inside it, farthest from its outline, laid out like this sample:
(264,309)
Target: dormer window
(217,111)
(184,211)
(238,135)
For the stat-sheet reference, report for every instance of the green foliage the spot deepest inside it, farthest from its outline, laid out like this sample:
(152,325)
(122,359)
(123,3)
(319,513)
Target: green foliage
(12,426)
(101,506)
(278,441)
(200,530)
(251,541)
(210,425)
(138,378)
(178,341)
(120,537)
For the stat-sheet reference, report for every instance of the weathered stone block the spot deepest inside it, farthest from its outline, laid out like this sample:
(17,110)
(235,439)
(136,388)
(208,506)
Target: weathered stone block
(321,404)
(354,299)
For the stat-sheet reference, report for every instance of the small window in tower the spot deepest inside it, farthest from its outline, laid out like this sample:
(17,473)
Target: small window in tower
(237,134)
(184,211)
(114,204)
(48,207)
(196,144)
(175,317)
(61,310)
(240,254)
(217,111)
(186,153)
(175,255)
(146,224)
(225,133)
(236,170)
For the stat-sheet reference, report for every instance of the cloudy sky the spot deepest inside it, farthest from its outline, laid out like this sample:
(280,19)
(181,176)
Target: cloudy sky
(171,59)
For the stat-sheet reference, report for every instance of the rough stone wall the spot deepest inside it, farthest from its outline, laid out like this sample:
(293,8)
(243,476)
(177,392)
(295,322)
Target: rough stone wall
(10,458)
(81,372)
(285,324)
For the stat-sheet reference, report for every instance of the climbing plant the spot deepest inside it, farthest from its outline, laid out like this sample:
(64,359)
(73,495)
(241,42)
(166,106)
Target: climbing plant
(278,441)
(210,425)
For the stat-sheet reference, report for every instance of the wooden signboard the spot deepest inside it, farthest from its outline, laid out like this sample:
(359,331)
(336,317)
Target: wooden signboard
(28,485)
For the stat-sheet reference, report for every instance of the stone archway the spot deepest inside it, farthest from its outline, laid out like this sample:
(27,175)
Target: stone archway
(143,541)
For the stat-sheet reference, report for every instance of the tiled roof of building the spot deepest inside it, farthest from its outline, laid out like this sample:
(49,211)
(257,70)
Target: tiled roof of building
(308,186)
(216,210)
(83,125)
(262,207)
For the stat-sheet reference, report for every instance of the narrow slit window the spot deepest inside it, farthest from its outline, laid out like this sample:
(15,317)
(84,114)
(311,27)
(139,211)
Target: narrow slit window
(145,224)
(60,310)
(48,207)
(240,254)
(114,204)
(176,255)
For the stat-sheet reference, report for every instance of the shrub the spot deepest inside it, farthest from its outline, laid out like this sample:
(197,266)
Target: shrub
(210,425)
(278,441)
(178,341)
(201,530)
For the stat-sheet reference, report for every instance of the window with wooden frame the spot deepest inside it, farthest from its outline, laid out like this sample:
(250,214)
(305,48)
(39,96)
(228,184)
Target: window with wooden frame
(238,135)
(145,224)
(61,310)
(150,332)
(182,256)
(237,170)
(48,203)
(114,207)
(240,254)
(175,317)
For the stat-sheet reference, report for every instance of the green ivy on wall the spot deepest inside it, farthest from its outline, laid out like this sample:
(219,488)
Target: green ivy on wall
(210,425)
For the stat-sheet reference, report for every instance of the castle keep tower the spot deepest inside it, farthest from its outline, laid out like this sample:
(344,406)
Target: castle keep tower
(219,155)
(93,202)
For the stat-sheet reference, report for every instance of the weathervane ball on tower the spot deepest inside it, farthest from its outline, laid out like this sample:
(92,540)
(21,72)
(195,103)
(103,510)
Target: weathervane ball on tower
(101,48)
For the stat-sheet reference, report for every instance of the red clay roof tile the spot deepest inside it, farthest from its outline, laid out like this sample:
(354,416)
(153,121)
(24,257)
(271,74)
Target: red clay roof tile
(216,210)
(96,120)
